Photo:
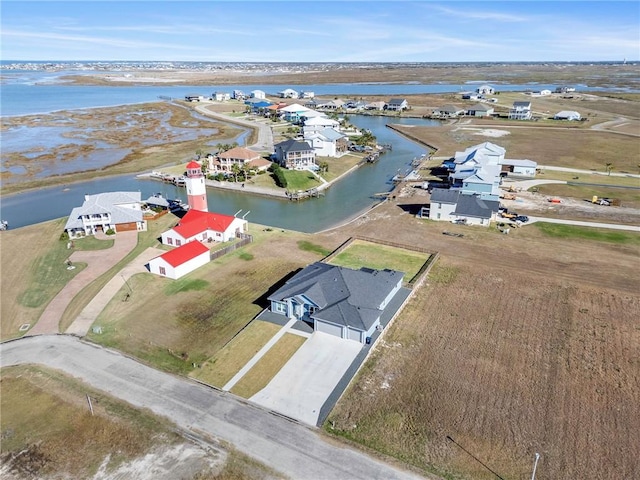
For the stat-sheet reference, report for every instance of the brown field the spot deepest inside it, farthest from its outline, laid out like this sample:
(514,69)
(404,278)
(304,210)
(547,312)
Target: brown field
(517,344)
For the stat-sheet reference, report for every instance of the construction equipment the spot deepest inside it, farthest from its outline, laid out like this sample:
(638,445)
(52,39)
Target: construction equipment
(605,201)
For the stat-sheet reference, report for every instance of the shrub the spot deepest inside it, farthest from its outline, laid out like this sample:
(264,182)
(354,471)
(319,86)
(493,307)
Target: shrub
(278,175)
(64,236)
(111,231)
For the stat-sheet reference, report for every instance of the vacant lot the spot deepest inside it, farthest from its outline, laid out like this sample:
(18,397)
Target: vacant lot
(360,253)
(175,328)
(507,365)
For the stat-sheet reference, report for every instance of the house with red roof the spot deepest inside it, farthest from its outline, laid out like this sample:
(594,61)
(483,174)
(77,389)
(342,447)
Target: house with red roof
(204,227)
(181,260)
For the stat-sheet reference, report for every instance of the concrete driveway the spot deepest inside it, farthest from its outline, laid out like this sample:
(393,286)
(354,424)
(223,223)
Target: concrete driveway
(303,385)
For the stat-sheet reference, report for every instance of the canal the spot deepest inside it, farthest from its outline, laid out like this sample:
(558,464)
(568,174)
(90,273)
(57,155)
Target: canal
(345,199)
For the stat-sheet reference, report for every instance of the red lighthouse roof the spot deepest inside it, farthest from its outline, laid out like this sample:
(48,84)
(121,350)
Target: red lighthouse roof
(193,165)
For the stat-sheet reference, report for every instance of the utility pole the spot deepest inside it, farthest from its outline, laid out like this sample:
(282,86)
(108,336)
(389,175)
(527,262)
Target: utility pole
(535,465)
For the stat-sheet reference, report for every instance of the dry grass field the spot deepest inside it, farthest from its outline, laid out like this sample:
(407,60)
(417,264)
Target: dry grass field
(507,364)
(516,344)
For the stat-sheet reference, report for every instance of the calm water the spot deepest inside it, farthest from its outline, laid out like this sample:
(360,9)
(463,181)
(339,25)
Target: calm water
(25,93)
(345,199)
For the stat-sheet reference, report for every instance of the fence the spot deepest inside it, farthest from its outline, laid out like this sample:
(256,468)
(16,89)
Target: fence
(245,239)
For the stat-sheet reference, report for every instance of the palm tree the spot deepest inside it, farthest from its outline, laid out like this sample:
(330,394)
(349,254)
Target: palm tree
(609,167)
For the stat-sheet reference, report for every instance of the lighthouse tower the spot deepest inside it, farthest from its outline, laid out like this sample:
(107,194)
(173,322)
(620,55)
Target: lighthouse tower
(196,190)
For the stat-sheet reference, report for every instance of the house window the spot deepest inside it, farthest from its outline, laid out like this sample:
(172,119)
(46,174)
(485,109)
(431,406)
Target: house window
(279,307)
(169,241)
(178,243)
(163,271)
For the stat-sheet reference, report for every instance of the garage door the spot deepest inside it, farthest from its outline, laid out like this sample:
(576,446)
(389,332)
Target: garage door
(126,227)
(329,328)
(355,335)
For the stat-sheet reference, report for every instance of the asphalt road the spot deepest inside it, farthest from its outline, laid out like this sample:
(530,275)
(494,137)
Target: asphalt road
(290,448)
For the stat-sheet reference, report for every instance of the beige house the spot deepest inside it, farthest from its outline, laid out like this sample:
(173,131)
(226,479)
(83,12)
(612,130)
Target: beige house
(243,157)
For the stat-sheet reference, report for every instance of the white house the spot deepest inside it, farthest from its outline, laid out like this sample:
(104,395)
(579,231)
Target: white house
(317,123)
(205,227)
(181,260)
(567,115)
(328,142)
(485,90)
(117,211)
(454,205)
(288,93)
(519,168)
(520,111)
(306,95)
(375,106)
(397,104)
(221,96)
(258,94)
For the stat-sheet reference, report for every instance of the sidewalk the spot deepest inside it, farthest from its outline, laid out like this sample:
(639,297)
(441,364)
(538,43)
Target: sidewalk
(83,322)
(98,262)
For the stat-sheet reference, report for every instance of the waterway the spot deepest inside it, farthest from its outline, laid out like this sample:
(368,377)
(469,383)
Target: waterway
(345,199)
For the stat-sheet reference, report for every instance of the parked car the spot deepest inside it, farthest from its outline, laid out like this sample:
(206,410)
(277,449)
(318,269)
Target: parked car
(522,218)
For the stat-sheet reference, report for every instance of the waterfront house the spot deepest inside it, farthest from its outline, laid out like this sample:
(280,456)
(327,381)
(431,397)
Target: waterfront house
(339,301)
(470,96)
(259,94)
(294,113)
(306,95)
(480,110)
(221,96)
(328,142)
(335,104)
(240,156)
(315,124)
(295,155)
(194,97)
(375,106)
(455,206)
(485,90)
(257,106)
(448,111)
(397,105)
(117,211)
(238,95)
(520,111)
(204,227)
(180,261)
(288,93)
(567,115)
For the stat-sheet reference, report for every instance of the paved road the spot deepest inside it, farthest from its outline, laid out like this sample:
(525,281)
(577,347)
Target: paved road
(296,451)
(612,226)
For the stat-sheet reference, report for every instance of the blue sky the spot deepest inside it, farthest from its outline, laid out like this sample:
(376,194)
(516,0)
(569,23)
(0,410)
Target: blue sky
(321,31)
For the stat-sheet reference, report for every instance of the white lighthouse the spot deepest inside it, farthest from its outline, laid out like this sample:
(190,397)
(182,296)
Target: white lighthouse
(196,189)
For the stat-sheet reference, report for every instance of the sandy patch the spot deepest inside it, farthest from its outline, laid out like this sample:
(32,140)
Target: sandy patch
(488,132)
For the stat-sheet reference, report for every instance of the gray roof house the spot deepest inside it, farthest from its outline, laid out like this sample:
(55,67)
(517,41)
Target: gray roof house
(454,205)
(117,211)
(397,104)
(337,300)
(520,111)
(295,155)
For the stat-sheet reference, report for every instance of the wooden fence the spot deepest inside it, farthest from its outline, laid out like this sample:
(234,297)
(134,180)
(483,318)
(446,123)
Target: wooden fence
(245,239)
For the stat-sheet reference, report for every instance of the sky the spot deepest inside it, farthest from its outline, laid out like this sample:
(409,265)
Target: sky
(320,31)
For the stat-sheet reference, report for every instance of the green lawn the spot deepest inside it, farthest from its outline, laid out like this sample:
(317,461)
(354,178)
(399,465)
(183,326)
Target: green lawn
(300,180)
(588,233)
(364,254)
(220,368)
(268,366)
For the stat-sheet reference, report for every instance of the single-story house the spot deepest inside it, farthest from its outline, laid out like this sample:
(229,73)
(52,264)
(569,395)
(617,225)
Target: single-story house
(306,94)
(480,110)
(521,168)
(204,226)
(565,89)
(448,111)
(336,300)
(179,261)
(335,104)
(157,200)
(567,115)
(117,211)
(241,156)
(520,111)
(194,97)
(397,104)
(470,96)
(375,106)
(541,93)
(295,155)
